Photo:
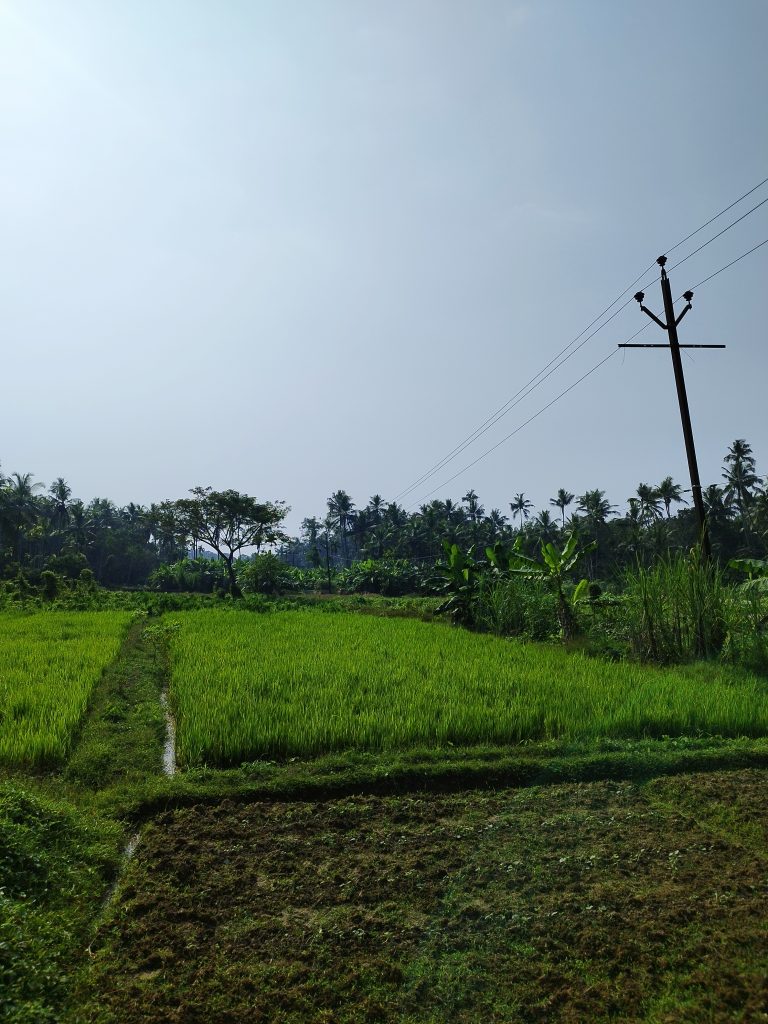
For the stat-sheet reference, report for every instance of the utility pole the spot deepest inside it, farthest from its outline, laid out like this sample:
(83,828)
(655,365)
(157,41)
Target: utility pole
(677,363)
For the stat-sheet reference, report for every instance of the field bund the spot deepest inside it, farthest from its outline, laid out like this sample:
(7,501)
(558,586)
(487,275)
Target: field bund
(302,683)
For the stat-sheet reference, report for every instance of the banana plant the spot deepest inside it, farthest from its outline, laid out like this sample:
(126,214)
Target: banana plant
(756,570)
(499,555)
(554,570)
(457,580)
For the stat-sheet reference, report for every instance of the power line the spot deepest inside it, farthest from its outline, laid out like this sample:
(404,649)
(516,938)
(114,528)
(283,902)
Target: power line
(519,428)
(584,377)
(519,395)
(713,219)
(542,375)
(714,237)
(514,401)
(727,265)
(535,415)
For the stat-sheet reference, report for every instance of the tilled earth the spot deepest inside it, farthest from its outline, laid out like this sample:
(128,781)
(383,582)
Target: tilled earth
(591,902)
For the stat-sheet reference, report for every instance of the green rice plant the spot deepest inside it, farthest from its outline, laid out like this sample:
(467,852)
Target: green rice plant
(301,683)
(49,665)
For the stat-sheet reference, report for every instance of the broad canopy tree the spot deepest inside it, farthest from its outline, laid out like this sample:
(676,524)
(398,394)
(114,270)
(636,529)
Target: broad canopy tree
(229,521)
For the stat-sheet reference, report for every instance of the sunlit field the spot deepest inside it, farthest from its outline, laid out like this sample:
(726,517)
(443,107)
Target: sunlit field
(49,664)
(302,683)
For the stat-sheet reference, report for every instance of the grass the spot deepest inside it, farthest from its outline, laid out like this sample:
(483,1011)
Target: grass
(434,770)
(302,683)
(56,863)
(122,738)
(49,665)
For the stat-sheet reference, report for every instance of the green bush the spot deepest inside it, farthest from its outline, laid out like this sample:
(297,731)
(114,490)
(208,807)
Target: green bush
(390,577)
(265,574)
(191,575)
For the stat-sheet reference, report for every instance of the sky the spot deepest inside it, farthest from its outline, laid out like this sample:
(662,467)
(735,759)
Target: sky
(290,247)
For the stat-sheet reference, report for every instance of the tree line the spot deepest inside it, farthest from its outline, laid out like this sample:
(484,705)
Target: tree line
(658,519)
(49,529)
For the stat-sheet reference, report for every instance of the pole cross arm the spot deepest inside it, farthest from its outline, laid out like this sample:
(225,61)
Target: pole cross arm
(653,317)
(685,310)
(628,344)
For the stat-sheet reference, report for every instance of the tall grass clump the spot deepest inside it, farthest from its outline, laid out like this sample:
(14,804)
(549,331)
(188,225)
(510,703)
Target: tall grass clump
(49,665)
(303,684)
(675,610)
(510,606)
(747,640)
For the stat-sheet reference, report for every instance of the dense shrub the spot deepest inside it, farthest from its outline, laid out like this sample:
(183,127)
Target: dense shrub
(195,575)
(391,577)
(265,574)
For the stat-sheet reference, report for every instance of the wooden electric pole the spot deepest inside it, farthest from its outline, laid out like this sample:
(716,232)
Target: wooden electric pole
(677,363)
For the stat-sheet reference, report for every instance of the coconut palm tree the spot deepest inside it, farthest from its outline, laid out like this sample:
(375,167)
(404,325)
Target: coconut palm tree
(562,501)
(718,509)
(545,527)
(20,505)
(375,509)
(741,480)
(311,528)
(669,491)
(521,508)
(61,492)
(475,513)
(360,527)
(595,507)
(650,503)
(497,524)
(341,512)
(429,523)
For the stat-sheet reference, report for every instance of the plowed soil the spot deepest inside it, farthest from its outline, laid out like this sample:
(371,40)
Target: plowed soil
(578,903)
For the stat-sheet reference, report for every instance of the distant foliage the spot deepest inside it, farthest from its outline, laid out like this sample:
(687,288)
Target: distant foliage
(195,575)
(391,577)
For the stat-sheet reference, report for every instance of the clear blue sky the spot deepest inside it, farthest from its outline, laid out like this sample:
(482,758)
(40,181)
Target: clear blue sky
(294,247)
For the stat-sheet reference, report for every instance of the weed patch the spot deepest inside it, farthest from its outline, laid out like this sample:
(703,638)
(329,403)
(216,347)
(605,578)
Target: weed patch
(596,902)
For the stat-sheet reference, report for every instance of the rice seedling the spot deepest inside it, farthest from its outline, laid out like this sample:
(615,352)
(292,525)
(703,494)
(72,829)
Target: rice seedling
(49,664)
(302,683)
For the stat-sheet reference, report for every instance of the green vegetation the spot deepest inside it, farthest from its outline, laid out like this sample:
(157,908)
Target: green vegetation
(302,683)
(123,735)
(379,547)
(56,863)
(49,665)
(359,937)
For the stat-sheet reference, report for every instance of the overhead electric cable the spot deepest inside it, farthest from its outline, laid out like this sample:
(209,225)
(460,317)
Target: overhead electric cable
(535,381)
(579,381)
(597,366)
(716,217)
(519,428)
(714,237)
(727,265)
(524,392)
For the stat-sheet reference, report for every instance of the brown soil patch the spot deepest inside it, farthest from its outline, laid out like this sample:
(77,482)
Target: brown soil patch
(591,902)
